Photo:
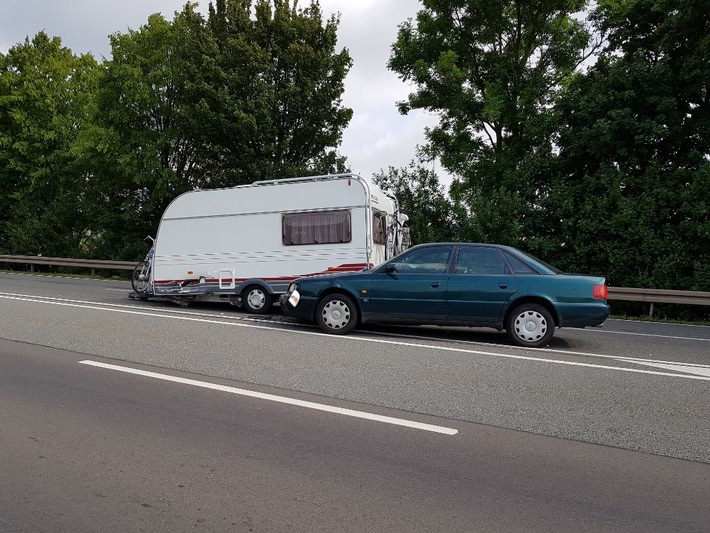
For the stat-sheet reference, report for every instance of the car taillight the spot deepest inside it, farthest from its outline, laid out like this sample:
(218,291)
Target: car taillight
(601,291)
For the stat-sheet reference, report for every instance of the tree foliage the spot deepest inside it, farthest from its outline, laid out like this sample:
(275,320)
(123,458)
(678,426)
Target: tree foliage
(144,146)
(632,191)
(45,101)
(602,169)
(277,95)
(490,70)
(432,215)
(91,154)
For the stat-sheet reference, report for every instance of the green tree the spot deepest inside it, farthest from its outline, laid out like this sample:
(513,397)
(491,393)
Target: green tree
(45,102)
(252,92)
(143,147)
(491,70)
(433,217)
(277,99)
(631,196)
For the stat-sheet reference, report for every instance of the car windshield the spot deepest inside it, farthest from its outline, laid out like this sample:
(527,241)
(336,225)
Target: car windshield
(378,265)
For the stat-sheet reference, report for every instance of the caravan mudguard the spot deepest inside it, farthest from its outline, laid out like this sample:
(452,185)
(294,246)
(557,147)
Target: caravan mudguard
(257,296)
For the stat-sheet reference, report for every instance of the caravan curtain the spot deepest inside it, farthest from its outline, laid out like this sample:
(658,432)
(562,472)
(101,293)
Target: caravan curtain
(321,227)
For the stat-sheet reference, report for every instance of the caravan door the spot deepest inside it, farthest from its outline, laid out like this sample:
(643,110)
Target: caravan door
(379,237)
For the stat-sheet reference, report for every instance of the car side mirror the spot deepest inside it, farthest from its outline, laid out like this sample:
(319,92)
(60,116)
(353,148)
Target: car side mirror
(391,268)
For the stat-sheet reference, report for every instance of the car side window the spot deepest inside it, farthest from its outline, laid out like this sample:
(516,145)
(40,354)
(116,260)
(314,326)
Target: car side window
(519,266)
(480,260)
(425,261)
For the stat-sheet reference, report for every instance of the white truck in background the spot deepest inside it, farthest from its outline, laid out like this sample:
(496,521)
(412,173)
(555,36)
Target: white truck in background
(244,245)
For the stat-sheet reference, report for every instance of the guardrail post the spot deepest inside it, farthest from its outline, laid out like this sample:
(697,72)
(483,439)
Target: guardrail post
(650,311)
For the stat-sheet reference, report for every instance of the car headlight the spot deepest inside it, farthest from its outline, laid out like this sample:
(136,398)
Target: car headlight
(294,297)
(292,287)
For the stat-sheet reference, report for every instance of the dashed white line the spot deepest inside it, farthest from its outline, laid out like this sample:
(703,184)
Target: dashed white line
(279,399)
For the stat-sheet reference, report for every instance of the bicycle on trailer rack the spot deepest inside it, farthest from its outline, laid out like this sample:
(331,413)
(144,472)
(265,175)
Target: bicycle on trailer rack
(141,274)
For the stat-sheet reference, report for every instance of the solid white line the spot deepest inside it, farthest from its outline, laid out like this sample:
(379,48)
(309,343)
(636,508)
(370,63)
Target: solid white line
(106,306)
(353,338)
(682,368)
(280,399)
(625,359)
(656,335)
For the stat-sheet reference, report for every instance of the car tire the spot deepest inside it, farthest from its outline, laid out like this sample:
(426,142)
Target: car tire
(337,314)
(530,325)
(256,300)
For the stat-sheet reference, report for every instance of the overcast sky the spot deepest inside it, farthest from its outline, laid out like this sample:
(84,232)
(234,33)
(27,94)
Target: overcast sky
(377,137)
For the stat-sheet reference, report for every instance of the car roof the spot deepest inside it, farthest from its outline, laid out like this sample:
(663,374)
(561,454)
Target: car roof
(537,263)
(487,244)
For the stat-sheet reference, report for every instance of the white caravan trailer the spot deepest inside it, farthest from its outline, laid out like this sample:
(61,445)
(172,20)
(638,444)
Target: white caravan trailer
(246,244)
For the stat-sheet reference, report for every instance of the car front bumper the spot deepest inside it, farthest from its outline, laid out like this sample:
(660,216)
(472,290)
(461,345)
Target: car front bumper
(302,310)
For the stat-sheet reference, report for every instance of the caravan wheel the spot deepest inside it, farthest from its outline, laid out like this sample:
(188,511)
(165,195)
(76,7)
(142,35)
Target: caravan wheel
(256,300)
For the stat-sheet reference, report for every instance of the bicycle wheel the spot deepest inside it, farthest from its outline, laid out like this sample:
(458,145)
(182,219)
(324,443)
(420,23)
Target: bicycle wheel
(141,278)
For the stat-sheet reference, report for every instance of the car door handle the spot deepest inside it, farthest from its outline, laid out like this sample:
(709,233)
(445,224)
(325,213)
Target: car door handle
(503,285)
(435,285)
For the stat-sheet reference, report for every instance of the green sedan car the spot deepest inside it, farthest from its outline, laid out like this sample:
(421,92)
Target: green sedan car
(454,284)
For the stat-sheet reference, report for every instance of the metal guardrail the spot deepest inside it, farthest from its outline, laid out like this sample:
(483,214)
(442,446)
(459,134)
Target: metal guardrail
(659,296)
(626,294)
(651,296)
(92,264)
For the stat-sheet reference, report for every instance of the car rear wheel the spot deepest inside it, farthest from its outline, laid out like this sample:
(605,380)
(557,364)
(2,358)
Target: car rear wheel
(336,313)
(530,325)
(256,300)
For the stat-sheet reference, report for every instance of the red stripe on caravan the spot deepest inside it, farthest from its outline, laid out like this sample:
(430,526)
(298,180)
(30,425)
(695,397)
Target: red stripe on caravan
(349,267)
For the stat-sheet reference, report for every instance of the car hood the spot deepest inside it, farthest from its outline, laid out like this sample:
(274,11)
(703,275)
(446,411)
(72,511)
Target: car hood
(336,276)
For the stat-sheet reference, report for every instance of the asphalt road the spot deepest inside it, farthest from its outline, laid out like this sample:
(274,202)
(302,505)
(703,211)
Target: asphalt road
(606,430)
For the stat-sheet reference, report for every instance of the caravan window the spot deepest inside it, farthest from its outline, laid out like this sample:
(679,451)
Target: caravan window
(321,227)
(379,227)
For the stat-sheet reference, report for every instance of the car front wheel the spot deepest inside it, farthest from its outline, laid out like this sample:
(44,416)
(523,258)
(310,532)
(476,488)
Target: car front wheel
(336,313)
(530,325)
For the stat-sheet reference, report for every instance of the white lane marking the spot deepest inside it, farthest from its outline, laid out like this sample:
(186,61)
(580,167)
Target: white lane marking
(279,399)
(380,333)
(353,338)
(106,306)
(674,337)
(540,350)
(629,320)
(698,370)
(589,330)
